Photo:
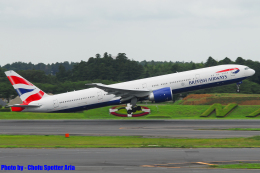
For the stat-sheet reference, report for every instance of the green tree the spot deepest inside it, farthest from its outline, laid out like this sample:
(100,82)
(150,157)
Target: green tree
(225,61)
(35,76)
(211,62)
(62,74)
(240,60)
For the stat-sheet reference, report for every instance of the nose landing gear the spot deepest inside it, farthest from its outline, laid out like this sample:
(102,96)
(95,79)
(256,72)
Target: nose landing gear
(238,85)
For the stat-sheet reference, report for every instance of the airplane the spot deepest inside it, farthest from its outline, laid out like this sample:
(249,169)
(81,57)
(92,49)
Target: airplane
(157,89)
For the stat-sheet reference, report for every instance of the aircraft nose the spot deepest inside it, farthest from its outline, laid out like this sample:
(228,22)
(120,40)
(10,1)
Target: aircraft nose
(251,72)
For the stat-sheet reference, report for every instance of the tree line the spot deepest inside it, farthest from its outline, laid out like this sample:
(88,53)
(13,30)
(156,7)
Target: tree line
(62,77)
(47,68)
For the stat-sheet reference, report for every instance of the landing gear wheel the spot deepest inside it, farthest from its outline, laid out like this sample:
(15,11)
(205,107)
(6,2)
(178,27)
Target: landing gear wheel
(238,85)
(138,108)
(134,110)
(129,112)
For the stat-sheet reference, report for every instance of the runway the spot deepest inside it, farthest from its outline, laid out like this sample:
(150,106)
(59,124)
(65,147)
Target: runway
(131,160)
(141,160)
(146,128)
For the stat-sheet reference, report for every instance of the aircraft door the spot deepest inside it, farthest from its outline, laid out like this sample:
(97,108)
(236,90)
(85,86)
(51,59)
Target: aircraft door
(99,96)
(144,86)
(55,103)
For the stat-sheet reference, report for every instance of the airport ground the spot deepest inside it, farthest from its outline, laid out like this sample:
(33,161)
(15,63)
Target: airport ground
(141,160)
(170,121)
(132,159)
(145,128)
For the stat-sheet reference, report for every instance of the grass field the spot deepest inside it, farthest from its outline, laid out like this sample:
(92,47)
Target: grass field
(238,166)
(234,129)
(222,98)
(244,129)
(158,111)
(37,141)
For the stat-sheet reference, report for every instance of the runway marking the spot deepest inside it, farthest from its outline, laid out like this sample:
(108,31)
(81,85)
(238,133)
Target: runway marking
(153,166)
(148,166)
(203,163)
(196,164)
(167,167)
(163,164)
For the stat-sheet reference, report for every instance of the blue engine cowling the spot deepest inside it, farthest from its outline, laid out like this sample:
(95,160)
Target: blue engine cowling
(161,95)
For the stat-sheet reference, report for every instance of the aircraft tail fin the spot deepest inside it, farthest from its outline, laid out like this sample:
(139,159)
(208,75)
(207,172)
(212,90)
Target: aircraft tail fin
(26,90)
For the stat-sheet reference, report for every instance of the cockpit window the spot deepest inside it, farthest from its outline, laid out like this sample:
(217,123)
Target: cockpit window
(246,68)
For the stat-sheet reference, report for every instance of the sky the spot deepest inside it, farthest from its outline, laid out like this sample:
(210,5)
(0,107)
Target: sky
(50,31)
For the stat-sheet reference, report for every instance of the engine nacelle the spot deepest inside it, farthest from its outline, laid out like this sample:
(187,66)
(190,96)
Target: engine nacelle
(161,95)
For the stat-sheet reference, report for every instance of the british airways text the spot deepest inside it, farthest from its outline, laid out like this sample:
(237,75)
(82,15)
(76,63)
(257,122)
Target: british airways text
(200,81)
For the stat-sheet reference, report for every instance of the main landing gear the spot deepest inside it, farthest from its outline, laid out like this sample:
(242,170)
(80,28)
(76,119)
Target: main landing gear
(238,85)
(132,107)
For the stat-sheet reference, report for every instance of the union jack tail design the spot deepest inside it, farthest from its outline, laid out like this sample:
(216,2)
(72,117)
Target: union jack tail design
(26,90)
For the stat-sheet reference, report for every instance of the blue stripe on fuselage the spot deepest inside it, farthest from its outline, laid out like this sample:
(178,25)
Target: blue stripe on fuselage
(86,107)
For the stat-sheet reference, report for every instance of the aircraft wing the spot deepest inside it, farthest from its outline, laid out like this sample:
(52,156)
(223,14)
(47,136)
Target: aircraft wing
(122,92)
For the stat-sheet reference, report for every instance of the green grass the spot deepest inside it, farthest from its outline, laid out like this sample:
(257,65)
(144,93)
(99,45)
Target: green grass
(226,110)
(168,111)
(222,98)
(234,129)
(221,111)
(243,129)
(239,166)
(156,116)
(178,102)
(213,107)
(254,114)
(234,95)
(37,141)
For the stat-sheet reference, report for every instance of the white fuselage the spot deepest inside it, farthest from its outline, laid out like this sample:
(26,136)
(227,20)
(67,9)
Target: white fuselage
(179,82)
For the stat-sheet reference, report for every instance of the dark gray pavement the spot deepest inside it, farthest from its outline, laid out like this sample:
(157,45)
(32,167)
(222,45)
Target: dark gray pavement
(157,128)
(130,160)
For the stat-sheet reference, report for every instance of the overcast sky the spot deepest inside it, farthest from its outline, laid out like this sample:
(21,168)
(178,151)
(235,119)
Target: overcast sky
(51,31)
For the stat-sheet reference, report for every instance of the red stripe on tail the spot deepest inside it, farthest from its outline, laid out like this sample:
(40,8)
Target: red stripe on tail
(17,80)
(17,109)
(34,97)
(31,98)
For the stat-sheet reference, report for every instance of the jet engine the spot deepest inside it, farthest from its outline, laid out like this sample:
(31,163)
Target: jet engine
(161,95)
